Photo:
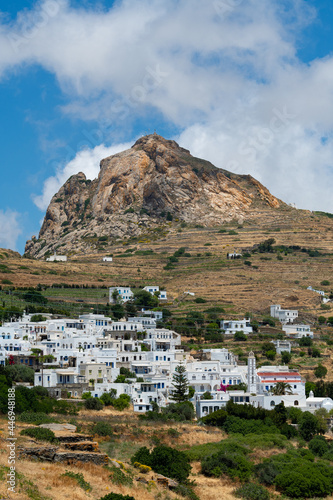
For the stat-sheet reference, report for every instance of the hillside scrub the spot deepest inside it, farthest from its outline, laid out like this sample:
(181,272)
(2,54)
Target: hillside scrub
(165,460)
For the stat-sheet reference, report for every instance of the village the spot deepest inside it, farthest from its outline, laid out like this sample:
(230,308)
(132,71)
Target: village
(95,355)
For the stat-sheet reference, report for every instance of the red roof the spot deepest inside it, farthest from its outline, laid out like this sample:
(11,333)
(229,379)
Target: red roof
(278,374)
(286,380)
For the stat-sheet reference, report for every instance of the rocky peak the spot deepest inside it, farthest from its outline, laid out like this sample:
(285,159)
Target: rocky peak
(134,192)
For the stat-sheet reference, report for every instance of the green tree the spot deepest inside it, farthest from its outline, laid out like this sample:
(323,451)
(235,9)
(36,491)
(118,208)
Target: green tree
(320,371)
(285,357)
(180,383)
(240,337)
(305,342)
(308,426)
(35,318)
(93,404)
(142,298)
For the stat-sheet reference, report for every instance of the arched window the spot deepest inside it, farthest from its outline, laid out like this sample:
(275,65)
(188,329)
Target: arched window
(272,403)
(296,403)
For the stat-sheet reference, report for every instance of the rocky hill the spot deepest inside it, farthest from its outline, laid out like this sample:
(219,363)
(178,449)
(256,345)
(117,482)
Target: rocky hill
(143,190)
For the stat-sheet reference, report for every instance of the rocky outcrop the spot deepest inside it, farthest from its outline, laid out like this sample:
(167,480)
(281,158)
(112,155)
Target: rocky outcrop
(142,189)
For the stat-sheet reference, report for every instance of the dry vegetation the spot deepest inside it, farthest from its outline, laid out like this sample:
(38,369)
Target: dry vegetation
(209,275)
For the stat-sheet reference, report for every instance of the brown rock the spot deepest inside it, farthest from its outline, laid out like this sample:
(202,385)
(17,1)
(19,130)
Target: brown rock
(155,176)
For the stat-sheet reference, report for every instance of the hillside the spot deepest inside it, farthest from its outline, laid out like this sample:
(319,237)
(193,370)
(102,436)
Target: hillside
(143,189)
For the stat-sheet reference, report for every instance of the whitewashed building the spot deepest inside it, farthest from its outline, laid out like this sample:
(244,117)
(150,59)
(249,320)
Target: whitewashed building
(57,258)
(283,315)
(162,295)
(124,292)
(230,327)
(297,331)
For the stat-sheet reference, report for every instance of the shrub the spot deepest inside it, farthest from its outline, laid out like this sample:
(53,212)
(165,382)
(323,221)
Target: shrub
(117,476)
(122,402)
(142,468)
(293,484)
(234,465)
(200,300)
(318,445)
(305,342)
(39,433)
(93,404)
(320,371)
(79,479)
(240,337)
(35,418)
(285,357)
(102,429)
(165,460)
(116,496)
(252,491)
(308,426)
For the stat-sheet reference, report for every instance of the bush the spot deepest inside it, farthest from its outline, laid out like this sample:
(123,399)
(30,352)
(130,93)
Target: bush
(293,484)
(234,465)
(93,404)
(117,476)
(35,418)
(252,491)
(79,479)
(166,461)
(200,300)
(285,357)
(117,496)
(39,433)
(102,429)
(179,411)
(308,426)
(305,342)
(320,371)
(240,337)
(319,446)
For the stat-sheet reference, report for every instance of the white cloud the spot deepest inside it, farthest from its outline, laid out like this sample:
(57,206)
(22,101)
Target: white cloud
(86,161)
(221,71)
(10,228)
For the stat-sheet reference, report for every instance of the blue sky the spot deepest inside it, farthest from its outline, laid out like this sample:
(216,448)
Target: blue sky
(245,84)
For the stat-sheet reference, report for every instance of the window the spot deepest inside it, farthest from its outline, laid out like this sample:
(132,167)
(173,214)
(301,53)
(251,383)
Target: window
(296,403)
(272,403)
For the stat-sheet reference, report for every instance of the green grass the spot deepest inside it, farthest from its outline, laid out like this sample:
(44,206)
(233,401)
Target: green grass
(250,441)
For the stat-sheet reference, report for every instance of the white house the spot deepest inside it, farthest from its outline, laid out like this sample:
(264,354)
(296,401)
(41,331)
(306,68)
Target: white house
(314,404)
(234,255)
(283,315)
(282,346)
(107,259)
(269,376)
(230,327)
(162,295)
(124,292)
(320,292)
(57,258)
(219,401)
(297,331)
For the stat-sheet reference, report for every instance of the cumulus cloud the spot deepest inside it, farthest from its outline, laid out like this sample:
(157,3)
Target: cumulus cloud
(10,228)
(224,72)
(86,161)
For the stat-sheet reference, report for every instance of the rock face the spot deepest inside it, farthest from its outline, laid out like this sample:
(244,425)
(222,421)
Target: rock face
(140,190)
